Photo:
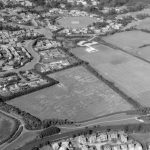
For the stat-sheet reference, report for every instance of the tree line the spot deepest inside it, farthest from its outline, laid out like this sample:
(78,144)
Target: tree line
(32,122)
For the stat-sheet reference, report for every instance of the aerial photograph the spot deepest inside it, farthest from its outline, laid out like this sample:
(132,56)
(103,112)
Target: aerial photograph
(74,74)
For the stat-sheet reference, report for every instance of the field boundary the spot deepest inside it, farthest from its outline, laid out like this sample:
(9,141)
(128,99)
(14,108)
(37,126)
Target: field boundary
(103,42)
(111,84)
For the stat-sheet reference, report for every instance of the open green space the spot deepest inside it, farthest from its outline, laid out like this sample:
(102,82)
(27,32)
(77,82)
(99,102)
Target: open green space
(7,127)
(144,24)
(22,140)
(79,96)
(130,40)
(127,72)
(134,42)
(76,22)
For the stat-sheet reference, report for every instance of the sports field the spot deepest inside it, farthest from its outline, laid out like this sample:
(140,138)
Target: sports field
(134,42)
(76,22)
(79,96)
(7,126)
(129,73)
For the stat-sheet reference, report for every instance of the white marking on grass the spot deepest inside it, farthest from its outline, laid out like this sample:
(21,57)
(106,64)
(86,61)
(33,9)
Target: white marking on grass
(90,49)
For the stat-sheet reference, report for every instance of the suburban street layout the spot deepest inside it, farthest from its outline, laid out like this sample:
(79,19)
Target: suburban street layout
(74,75)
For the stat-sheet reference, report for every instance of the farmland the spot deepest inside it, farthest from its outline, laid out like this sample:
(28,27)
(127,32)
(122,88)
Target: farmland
(130,40)
(7,127)
(134,42)
(76,22)
(128,73)
(79,96)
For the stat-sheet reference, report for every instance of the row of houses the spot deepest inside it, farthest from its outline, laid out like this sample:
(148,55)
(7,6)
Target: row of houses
(84,2)
(43,44)
(12,57)
(14,36)
(16,83)
(99,141)
(53,59)
(21,2)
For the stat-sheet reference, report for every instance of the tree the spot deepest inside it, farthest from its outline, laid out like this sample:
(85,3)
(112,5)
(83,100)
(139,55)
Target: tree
(1,5)
(112,12)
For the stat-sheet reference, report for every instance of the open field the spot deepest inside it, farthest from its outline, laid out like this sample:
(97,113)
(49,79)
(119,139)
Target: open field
(129,40)
(7,127)
(144,24)
(144,52)
(129,73)
(79,96)
(76,22)
(132,42)
(23,139)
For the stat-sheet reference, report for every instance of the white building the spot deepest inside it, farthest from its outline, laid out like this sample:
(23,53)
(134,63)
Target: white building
(138,146)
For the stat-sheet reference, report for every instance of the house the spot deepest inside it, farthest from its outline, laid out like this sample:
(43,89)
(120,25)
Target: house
(123,137)
(102,137)
(55,146)
(107,147)
(138,146)
(84,147)
(14,88)
(112,135)
(116,147)
(92,139)
(65,144)
(131,146)
(82,140)
(124,147)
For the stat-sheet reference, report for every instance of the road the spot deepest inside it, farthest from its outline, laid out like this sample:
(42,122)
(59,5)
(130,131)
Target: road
(69,134)
(102,122)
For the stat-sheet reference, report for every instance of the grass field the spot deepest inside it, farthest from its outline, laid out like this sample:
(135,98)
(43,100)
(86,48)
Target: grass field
(79,96)
(144,24)
(144,52)
(23,139)
(132,42)
(7,126)
(76,22)
(129,73)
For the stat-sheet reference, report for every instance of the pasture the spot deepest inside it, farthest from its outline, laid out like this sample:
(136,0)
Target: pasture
(134,42)
(7,126)
(76,22)
(79,96)
(129,73)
